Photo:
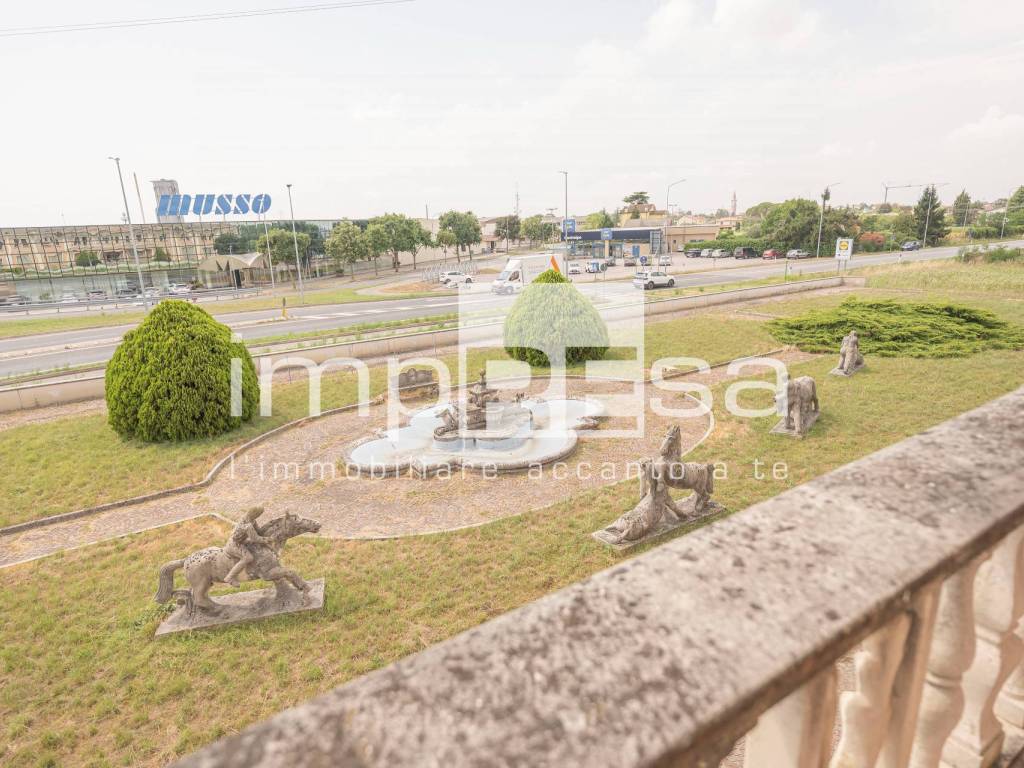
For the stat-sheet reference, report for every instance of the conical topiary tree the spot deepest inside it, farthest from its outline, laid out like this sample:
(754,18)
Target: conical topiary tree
(553,324)
(170,378)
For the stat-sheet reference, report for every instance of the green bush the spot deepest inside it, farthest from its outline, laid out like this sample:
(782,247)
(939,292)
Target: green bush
(170,378)
(86,259)
(548,324)
(990,255)
(900,329)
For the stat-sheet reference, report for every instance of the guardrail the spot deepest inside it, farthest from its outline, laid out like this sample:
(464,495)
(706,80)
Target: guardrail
(913,555)
(203,295)
(41,394)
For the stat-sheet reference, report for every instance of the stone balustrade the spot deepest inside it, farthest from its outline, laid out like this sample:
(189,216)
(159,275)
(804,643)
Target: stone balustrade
(909,558)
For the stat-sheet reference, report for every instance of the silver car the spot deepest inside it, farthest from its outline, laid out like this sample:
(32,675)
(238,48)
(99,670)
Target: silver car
(653,279)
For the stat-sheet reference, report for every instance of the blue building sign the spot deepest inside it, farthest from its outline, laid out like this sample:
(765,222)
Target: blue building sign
(569,227)
(606,233)
(204,205)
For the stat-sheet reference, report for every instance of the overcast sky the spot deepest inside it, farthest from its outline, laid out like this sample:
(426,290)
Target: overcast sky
(451,103)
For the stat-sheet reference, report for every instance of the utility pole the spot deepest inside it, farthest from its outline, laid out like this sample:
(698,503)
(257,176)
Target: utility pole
(295,241)
(933,199)
(138,193)
(668,218)
(825,197)
(131,233)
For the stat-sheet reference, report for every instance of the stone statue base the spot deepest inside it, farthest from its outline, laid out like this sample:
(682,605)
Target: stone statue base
(840,372)
(246,606)
(780,428)
(666,525)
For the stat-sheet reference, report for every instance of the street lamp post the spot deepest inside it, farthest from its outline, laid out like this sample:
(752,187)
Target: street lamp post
(131,233)
(295,241)
(565,219)
(825,197)
(668,219)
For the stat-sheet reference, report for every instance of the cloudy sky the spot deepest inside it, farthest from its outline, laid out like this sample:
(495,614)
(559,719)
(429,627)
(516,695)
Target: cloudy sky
(452,103)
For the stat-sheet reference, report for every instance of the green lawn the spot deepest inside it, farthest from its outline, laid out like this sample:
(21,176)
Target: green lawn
(83,681)
(98,319)
(78,462)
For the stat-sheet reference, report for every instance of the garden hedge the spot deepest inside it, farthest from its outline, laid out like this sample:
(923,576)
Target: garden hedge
(170,378)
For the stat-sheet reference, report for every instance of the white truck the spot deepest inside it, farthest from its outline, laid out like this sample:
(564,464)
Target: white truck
(519,273)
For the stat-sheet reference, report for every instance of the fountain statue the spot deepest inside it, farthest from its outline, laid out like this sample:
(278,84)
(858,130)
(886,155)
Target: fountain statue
(481,431)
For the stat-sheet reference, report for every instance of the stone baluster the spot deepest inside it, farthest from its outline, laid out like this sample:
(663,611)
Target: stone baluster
(942,700)
(796,732)
(977,740)
(865,712)
(1010,704)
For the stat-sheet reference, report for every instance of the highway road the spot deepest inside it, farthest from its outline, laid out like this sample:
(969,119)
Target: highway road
(29,354)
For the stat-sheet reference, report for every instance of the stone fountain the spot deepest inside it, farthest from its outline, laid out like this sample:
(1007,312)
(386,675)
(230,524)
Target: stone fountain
(481,432)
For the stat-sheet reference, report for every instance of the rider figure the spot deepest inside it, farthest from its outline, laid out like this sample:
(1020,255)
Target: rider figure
(244,539)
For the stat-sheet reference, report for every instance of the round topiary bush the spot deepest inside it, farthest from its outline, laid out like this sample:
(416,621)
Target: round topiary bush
(170,378)
(552,323)
(900,329)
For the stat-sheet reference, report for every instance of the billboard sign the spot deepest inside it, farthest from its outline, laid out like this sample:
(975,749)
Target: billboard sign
(568,227)
(844,248)
(606,234)
(220,205)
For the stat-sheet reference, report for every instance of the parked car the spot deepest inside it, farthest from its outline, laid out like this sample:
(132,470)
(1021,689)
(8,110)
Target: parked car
(69,298)
(152,293)
(455,276)
(745,253)
(178,289)
(665,260)
(127,293)
(17,300)
(797,253)
(596,266)
(96,294)
(706,253)
(720,253)
(771,253)
(629,261)
(911,245)
(653,279)
(574,269)
(693,253)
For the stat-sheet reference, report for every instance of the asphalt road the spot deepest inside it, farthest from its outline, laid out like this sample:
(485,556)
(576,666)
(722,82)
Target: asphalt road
(43,352)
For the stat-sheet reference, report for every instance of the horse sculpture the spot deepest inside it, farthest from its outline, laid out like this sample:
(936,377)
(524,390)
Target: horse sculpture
(798,405)
(657,475)
(210,566)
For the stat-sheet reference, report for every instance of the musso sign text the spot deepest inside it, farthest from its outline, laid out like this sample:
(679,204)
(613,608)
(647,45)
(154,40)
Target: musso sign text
(182,205)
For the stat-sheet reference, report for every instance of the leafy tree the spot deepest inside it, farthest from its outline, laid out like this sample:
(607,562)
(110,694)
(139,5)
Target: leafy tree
(721,213)
(792,224)
(533,229)
(929,212)
(1015,209)
(346,245)
(553,324)
(904,227)
(401,235)
(161,255)
(376,244)
(508,226)
(599,220)
(838,222)
(87,259)
(885,208)
(637,198)
(170,378)
(759,211)
(465,226)
(227,242)
(445,239)
(962,209)
(282,246)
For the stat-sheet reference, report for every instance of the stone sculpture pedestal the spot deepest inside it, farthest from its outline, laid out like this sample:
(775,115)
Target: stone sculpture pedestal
(780,428)
(666,525)
(837,371)
(240,607)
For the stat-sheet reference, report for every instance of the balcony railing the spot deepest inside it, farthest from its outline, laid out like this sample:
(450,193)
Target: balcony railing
(910,557)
